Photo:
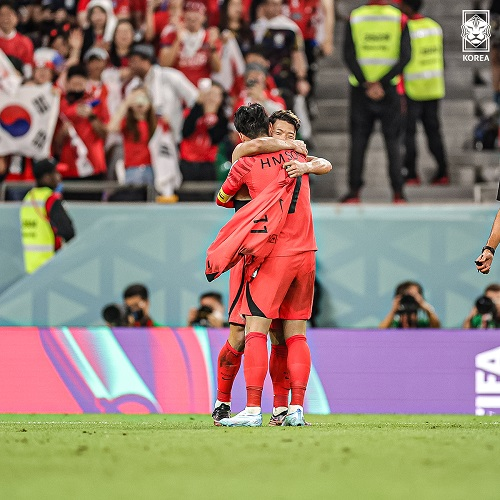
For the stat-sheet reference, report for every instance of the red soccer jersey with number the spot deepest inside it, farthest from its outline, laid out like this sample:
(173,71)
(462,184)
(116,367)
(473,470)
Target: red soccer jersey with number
(256,172)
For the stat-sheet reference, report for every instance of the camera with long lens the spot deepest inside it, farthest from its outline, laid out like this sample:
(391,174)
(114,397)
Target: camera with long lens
(202,315)
(485,305)
(118,314)
(408,305)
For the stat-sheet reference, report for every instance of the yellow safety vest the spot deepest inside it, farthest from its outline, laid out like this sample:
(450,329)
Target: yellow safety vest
(424,74)
(376,33)
(37,234)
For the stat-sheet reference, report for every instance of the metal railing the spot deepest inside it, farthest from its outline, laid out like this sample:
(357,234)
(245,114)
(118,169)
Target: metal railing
(111,187)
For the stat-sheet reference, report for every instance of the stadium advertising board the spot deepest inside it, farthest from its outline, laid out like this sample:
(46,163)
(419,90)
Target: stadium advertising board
(173,370)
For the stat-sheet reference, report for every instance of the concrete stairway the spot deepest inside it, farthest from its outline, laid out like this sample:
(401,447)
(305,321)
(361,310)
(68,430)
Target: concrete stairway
(331,137)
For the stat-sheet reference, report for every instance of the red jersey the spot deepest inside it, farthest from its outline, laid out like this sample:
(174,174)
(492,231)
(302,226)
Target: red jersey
(72,153)
(20,172)
(256,172)
(136,153)
(198,147)
(305,13)
(17,45)
(194,56)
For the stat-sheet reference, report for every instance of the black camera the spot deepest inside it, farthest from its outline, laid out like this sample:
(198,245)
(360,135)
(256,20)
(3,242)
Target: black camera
(201,318)
(485,305)
(251,83)
(118,314)
(408,305)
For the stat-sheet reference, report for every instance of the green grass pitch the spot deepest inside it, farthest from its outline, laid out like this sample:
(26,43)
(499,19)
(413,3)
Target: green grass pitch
(185,457)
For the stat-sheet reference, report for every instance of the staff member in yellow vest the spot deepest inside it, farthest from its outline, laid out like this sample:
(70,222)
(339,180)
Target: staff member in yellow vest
(45,225)
(376,49)
(424,88)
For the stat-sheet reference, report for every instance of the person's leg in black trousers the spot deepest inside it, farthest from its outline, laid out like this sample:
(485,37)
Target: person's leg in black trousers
(361,120)
(430,121)
(390,116)
(413,112)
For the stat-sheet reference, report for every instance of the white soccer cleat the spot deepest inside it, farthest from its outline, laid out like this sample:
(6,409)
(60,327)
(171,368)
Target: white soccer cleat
(295,419)
(242,419)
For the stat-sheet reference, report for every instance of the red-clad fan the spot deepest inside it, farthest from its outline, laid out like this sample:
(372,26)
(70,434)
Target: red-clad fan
(205,126)
(11,42)
(255,91)
(159,14)
(191,49)
(79,137)
(255,56)
(96,60)
(136,121)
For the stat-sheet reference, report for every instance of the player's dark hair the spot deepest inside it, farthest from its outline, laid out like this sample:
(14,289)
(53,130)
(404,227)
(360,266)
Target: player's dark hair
(285,115)
(136,289)
(402,287)
(494,287)
(252,121)
(213,295)
(415,5)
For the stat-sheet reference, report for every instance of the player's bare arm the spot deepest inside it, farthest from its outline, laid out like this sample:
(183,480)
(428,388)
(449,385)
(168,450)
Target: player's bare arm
(313,165)
(484,261)
(267,145)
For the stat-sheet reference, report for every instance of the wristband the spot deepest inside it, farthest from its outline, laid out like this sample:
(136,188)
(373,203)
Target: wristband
(487,247)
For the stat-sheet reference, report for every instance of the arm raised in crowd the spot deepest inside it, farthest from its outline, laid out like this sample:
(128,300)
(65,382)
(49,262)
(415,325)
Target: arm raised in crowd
(329,26)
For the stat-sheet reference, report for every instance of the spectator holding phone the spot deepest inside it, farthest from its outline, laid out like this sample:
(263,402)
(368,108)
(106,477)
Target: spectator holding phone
(205,126)
(136,121)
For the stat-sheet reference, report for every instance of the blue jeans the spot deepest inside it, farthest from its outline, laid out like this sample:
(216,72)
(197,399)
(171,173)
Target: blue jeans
(140,175)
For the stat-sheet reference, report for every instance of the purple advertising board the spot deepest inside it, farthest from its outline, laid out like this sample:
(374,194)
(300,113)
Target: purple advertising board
(174,370)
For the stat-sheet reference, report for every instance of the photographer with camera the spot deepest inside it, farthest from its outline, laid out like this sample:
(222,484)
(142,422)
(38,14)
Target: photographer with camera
(134,312)
(486,310)
(211,311)
(409,309)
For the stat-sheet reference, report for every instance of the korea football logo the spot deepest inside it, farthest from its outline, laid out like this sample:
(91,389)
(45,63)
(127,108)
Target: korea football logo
(476,30)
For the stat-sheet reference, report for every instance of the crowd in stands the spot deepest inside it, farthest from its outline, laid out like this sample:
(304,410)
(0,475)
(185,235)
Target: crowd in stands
(148,88)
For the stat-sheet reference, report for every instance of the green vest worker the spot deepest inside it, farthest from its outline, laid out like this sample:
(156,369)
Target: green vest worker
(45,225)
(424,74)
(376,49)
(424,87)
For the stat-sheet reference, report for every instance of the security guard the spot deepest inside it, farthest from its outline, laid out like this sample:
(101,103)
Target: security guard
(424,87)
(45,225)
(376,49)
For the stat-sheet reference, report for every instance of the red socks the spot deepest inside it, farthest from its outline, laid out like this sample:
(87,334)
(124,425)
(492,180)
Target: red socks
(229,364)
(255,366)
(278,370)
(299,366)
